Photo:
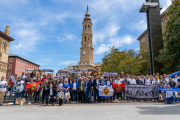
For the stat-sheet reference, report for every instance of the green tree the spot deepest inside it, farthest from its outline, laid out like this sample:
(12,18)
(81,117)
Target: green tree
(170,54)
(127,61)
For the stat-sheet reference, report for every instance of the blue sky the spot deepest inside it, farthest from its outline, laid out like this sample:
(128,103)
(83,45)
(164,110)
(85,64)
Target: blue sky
(48,32)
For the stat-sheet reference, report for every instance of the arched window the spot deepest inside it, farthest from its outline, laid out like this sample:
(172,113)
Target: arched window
(85,27)
(0,45)
(88,27)
(4,47)
(0,56)
(85,39)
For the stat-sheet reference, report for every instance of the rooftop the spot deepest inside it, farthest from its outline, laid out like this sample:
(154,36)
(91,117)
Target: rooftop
(6,37)
(11,55)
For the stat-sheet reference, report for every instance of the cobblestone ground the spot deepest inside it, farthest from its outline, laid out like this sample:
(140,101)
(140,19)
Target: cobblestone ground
(101,111)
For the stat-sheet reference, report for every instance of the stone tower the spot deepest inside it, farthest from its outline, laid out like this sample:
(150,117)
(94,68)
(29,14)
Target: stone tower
(5,39)
(86,49)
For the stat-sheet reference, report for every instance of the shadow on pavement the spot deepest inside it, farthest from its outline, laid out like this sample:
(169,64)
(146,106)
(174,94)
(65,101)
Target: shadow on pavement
(166,110)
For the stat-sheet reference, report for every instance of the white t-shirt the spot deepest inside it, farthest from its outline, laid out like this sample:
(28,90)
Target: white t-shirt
(169,94)
(2,83)
(51,92)
(132,81)
(147,82)
(118,81)
(60,85)
(97,81)
(108,82)
(74,85)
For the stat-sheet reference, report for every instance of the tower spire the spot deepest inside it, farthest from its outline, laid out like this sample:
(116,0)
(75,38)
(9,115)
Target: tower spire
(87,12)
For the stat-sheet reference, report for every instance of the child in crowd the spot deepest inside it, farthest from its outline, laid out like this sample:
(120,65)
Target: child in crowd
(169,96)
(60,96)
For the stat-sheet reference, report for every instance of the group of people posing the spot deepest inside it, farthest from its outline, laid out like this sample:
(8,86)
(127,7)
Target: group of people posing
(83,88)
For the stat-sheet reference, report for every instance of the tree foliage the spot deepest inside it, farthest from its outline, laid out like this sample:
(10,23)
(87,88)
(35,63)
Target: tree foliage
(170,54)
(127,61)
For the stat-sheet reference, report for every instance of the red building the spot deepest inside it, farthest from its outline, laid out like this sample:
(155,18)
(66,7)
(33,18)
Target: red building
(17,65)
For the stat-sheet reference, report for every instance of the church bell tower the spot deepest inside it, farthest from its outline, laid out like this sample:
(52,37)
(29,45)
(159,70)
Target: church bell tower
(86,49)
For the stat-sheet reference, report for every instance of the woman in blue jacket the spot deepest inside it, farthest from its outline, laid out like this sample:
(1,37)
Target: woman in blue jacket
(74,90)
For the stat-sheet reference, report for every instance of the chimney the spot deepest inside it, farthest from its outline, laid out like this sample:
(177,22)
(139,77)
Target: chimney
(7,30)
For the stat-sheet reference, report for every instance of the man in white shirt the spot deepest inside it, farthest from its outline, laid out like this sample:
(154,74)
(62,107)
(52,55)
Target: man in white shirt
(2,90)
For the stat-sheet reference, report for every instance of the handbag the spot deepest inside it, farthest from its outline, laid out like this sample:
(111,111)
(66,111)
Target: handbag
(160,97)
(67,95)
(177,95)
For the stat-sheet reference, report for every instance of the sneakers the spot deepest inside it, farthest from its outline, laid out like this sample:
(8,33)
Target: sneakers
(74,102)
(29,103)
(135,101)
(71,101)
(130,101)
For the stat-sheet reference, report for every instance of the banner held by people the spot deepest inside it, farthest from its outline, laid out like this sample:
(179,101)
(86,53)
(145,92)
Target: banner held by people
(118,87)
(141,91)
(32,87)
(105,91)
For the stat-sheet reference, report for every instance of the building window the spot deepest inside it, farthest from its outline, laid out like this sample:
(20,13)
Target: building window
(165,20)
(29,64)
(24,69)
(85,39)
(17,74)
(162,23)
(24,63)
(143,39)
(18,60)
(18,67)
(11,59)
(35,67)
(21,68)
(10,66)
(21,62)
(9,74)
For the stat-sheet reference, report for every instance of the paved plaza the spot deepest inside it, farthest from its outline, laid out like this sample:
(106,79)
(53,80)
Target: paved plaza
(102,111)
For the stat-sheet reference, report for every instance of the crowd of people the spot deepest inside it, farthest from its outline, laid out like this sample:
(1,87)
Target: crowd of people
(83,88)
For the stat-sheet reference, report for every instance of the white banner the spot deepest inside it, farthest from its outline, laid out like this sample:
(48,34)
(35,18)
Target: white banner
(105,91)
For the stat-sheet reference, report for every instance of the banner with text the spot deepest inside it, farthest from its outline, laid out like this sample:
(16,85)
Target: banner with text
(105,91)
(141,91)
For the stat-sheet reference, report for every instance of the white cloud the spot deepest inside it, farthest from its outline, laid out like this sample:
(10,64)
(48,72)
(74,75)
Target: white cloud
(140,26)
(70,36)
(117,42)
(166,5)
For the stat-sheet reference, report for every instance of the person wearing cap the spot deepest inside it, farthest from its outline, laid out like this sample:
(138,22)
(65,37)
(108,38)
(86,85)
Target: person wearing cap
(60,96)
(51,94)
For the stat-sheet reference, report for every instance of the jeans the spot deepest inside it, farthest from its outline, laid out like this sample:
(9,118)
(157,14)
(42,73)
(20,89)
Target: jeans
(8,89)
(29,97)
(123,95)
(81,96)
(52,100)
(170,100)
(17,95)
(74,93)
(88,94)
(37,96)
(96,95)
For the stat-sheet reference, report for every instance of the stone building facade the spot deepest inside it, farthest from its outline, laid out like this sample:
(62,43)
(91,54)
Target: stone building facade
(5,39)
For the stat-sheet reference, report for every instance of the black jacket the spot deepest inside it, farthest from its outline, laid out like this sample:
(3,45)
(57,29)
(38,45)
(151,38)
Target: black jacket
(54,92)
